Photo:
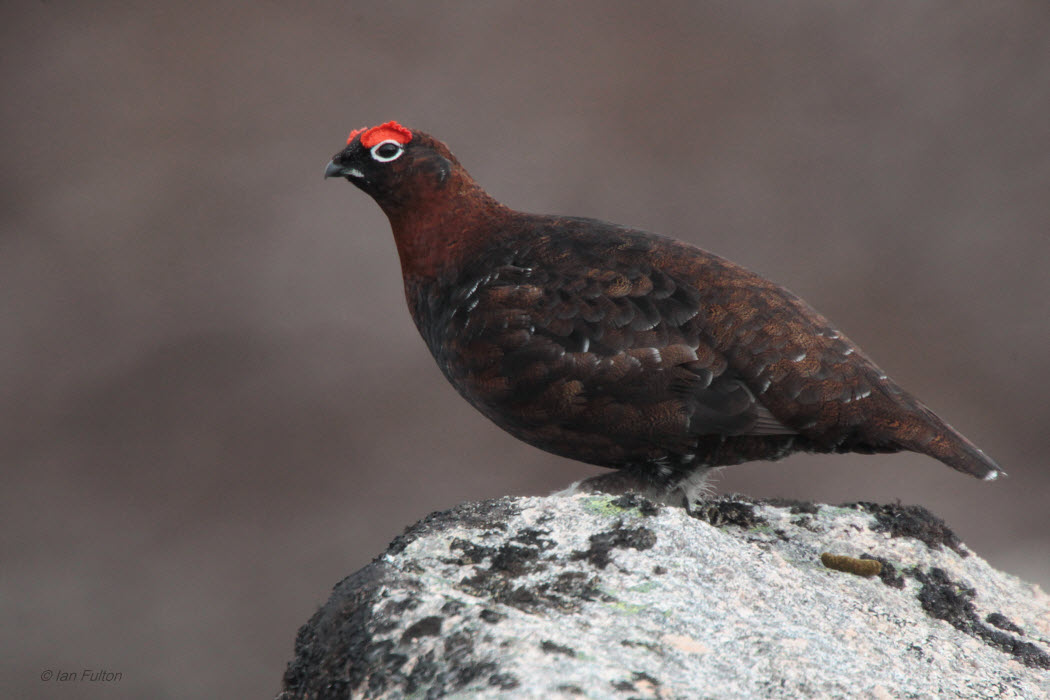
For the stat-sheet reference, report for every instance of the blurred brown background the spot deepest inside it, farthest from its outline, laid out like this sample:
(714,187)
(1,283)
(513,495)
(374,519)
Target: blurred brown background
(214,402)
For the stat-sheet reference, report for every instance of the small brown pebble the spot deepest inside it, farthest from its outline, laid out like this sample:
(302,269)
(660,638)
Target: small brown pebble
(851,565)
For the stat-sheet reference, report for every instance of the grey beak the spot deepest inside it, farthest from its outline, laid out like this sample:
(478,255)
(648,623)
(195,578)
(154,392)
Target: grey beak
(333,170)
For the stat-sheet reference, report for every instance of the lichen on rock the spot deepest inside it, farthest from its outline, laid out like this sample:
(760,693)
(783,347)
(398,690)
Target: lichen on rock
(614,596)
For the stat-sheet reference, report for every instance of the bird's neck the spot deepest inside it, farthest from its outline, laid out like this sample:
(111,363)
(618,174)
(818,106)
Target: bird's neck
(441,230)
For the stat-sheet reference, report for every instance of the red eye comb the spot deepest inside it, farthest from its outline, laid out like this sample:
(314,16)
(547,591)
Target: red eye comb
(391,131)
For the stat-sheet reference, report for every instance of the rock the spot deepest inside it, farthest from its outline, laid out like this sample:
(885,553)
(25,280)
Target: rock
(603,596)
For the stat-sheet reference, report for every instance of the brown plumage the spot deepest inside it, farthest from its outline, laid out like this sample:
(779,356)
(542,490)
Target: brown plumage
(624,348)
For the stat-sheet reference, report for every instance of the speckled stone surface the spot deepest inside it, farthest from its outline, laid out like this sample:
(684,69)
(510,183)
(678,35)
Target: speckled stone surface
(615,597)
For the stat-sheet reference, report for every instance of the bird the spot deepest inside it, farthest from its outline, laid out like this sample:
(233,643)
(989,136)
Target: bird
(622,348)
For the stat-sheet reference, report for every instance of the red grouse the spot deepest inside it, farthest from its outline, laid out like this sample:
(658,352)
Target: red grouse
(624,348)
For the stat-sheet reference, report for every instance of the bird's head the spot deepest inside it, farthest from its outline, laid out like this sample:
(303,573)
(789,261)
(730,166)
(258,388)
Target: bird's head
(398,167)
(434,206)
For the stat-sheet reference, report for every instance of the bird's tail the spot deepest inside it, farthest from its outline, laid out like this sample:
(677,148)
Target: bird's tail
(941,441)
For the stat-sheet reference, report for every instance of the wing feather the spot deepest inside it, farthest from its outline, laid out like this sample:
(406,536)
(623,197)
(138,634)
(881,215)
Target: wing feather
(610,349)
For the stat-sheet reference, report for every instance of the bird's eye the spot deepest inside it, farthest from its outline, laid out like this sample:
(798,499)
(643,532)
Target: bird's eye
(387,151)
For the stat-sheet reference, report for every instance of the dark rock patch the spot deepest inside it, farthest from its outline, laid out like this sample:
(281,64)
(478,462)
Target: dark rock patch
(912,521)
(427,627)
(453,607)
(491,616)
(728,512)
(469,552)
(632,500)
(513,560)
(571,689)
(1003,622)
(888,575)
(568,590)
(504,681)
(335,648)
(491,515)
(550,647)
(952,602)
(603,543)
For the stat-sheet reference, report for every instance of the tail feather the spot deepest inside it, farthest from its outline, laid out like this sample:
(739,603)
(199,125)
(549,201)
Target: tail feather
(941,441)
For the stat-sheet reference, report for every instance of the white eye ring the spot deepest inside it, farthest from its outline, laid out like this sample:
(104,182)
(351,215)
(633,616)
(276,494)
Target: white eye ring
(387,159)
